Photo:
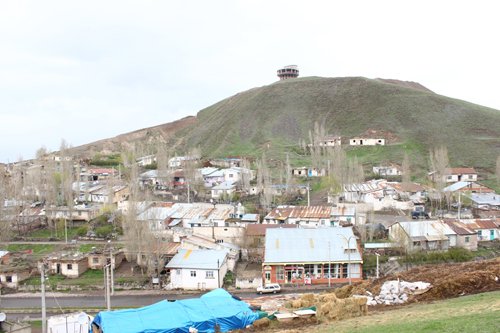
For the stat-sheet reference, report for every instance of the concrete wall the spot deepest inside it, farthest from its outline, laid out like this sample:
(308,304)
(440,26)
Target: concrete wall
(182,279)
(232,235)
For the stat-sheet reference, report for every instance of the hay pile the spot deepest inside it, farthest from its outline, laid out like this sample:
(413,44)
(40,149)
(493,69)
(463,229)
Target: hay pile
(331,308)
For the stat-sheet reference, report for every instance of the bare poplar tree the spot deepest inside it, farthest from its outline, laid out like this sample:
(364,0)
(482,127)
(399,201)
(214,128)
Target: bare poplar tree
(439,163)
(498,170)
(264,183)
(406,172)
(5,229)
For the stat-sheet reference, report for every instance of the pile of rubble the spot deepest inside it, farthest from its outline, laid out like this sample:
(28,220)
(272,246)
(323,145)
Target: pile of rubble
(397,292)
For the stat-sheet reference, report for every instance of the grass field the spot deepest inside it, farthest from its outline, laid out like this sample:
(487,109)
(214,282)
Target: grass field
(476,313)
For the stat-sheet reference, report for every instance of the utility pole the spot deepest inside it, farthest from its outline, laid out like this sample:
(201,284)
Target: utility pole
(378,255)
(106,283)
(459,205)
(44,308)
(329,266)
(189,195)
(308,195)
(218,274)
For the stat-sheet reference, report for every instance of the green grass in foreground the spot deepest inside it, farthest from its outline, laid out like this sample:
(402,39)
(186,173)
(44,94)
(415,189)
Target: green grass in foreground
(475,313)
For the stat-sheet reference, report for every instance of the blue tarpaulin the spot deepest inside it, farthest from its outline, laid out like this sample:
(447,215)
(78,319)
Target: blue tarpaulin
(217,307)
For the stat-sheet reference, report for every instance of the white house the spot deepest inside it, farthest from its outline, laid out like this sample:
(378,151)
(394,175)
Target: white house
(387,170)
(486,229)
(179,161)
(453,175)
(236,174)
(146,160)
(358,141)
(198,269)
(224,189)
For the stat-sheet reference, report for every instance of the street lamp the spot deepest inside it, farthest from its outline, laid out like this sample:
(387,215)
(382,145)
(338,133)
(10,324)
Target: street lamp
(348,240)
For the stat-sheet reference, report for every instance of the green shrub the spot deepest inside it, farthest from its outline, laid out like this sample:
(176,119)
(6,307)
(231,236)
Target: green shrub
(104,231)
(82,231)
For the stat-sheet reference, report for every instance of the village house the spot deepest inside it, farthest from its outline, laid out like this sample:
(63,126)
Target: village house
(79,213)
(414,192)
(228,162)
(198,269)
(308,172)
(465,237)
(187,215)
(100,258)
(306,216)
(202,242)
(4,257)
(181,161)
(211,176)
(486,229)
(146,160)
(11,275)
(343,214)
(98,174)
(225,189)
(467,187)
(311,256)
(422,235)
(452,175)
(30,219)
(364,141)
(68,264)
(282,189)
(390,170)
(330,141)
(487,201)
(255,239)
(110,195)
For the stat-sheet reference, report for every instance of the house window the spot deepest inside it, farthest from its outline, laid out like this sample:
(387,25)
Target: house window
(279,273)
(178,271)
(467,239)
(193,273)
(8,278)
(231,175)
(209,274)
(450,177)
(95,260)
(219,241)
(70,267)
(344,270)
(309,270)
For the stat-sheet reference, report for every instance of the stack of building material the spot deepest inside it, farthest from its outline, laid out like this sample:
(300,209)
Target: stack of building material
(397,292)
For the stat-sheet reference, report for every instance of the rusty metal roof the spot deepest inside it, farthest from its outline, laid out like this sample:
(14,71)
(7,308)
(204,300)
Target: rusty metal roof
(282,213)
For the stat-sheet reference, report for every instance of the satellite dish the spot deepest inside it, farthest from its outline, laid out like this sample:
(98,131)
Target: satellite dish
(82,318)
(2,316)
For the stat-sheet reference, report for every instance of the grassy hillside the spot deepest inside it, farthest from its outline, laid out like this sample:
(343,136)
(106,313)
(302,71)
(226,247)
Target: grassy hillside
(476,313)
(273,118)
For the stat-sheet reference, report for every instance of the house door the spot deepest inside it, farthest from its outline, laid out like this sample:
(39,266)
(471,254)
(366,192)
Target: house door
(58,269)
(492,234)
(288,276)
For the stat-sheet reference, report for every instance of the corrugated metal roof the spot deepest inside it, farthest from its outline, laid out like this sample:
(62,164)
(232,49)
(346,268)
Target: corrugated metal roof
(459,228)
(198,259)
(486,198)
(309,245)
(300,212)
(426,228)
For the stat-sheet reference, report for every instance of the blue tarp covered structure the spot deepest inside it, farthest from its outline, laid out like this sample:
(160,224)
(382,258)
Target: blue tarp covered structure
(217,307)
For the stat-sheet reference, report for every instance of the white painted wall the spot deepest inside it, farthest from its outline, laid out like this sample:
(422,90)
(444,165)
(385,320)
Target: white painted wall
(182,278)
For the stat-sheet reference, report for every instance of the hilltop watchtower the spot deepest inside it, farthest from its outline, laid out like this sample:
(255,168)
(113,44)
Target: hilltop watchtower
(288,72)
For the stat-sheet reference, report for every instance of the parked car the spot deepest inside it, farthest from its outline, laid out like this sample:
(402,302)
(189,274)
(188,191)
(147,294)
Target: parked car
(269,288)
(419,215)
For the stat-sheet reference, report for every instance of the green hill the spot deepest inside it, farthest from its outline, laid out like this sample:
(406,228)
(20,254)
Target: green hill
(274,118)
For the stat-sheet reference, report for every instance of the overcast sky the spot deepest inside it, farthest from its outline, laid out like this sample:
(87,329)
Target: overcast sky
(89,70)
